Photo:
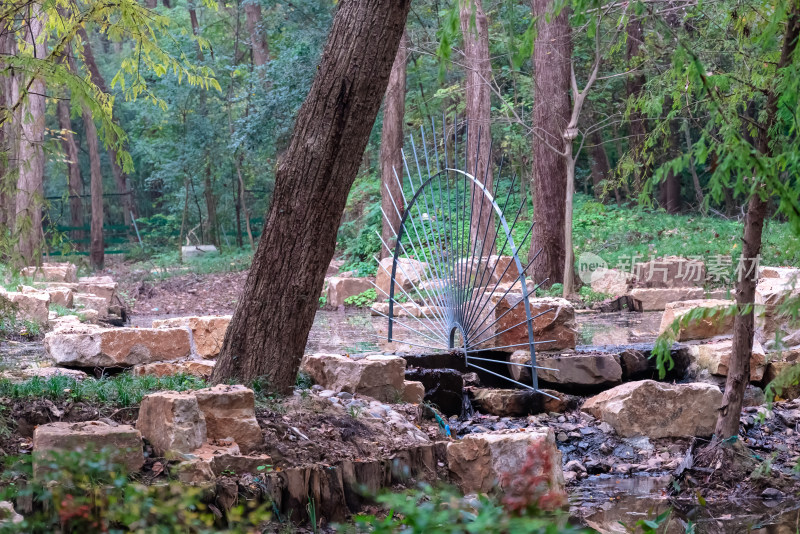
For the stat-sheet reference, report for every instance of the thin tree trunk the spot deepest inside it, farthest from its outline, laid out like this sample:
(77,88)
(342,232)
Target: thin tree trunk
(551,114)
(30,191)
(96,244)
(743,329)
(601,167)
(8,136)
(74,180)
(633,86)
(258,39)
(475,30)
(268,333)
(391,150)
(698,190)
(211,207)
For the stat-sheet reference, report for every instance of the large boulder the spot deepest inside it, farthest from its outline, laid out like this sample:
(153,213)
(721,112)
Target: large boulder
(716,357)
(786,273)
(771,294)
(658,410)
(554,326)
(229,412)
(122,442)
(29,306)
(52,272)
(61,296)
(670,272)
(718,324)
(99,286)
(579,369)
(342,288)
(506,402)
(656,299)
(172,422)
(611,282)
(198,368)
(84,346)
(501,269)
(481,462)
(87,301)
(377,376)
(208,332)
(408,274)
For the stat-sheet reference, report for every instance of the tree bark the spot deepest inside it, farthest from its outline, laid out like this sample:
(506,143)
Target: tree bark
(551,114)
(743,324)
(258,39)
(633,86)
(96,241)
(475,31)
(8,136)
(30,192)
(268,333)
(211,208)
(74,179)
(391,149)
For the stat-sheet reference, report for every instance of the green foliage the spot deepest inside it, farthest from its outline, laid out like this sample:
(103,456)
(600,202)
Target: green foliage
(83,491)
(363,300)
(590,297)
(443,509)
(121,390)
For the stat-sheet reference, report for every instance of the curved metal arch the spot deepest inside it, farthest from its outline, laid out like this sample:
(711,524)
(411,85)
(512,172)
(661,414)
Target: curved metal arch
(455,323)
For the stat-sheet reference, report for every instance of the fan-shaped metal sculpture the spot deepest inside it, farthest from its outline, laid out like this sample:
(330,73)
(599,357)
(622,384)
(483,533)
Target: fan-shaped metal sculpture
(448,297)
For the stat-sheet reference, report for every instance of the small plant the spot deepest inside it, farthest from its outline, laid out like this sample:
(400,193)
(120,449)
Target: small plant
(363,300)
(354,411)
(590,297)
(323,301)
(304,380)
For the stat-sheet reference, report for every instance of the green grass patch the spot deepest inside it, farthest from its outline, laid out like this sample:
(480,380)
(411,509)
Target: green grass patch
(121,390)
(166,264)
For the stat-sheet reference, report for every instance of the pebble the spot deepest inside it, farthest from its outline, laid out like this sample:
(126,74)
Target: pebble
(327,393)
(345,395)
(562,436)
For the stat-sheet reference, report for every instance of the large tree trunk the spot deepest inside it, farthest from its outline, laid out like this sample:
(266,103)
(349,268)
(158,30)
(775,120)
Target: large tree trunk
(551,114)
(268,333)
(633,86)
(391,149)
(258,39)
(28,222)
(743,330)
(74,179)
(96,242)
(475,29)
(8,135)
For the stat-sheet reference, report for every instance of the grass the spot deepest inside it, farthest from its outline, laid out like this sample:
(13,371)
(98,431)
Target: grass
(166,264)
(121,390)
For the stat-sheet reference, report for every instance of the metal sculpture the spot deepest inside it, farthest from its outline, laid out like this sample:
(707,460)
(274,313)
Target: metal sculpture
(458,294)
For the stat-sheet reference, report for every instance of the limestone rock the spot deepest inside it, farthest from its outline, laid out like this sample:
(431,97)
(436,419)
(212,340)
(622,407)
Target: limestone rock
(229,412)
(658,410)
(771,294)
(575,368)
(774,371)
(656,299)
(194,472)
(8,514)
(99,286)
(122,442)
(502,269)
(786,273)
(208,332)
(172,422)
(201,369)
(505,402)
(43,373)
(52,272)
(477,462)
(30,306)
(342,288)
(716,357)
(670,272)
(409,272)
(377,376)
(554,323)
(516,361)
(87,301)
(611,282)
(413,392)
(116,347)
(717,324)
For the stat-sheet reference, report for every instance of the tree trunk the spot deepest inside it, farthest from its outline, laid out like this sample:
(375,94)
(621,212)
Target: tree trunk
(211,208)
(698,190)
(601,167)
(475,29)
(258,39)
(391,146)
(8,136)
(551,114)
(28,221)
(743,330)
(633,86)
(268,333)
(74,181)
(96,242)
(671,190)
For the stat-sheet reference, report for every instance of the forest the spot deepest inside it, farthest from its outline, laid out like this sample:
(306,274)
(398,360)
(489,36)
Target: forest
(535,250)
